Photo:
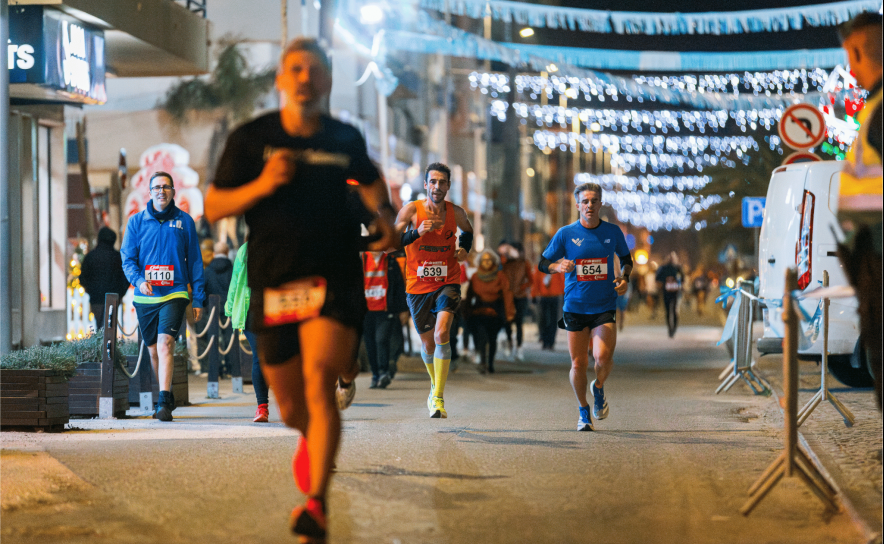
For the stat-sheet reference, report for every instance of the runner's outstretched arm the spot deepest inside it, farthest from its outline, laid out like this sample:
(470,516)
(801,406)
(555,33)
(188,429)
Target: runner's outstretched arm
(375,197)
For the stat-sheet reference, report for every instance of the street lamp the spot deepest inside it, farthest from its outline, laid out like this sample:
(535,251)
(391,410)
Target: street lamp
(371,14)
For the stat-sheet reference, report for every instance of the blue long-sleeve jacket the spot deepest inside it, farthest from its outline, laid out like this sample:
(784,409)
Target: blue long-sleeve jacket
(171,243)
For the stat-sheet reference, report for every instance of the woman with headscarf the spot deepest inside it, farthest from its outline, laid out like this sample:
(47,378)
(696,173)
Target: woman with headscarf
(489,306)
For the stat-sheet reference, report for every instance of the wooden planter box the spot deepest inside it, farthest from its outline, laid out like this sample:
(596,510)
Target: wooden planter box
(85,390)
(33,400)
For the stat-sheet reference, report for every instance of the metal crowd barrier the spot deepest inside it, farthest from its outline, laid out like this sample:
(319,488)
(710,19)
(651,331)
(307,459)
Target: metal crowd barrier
(739,327)
(793,461)
(824,394)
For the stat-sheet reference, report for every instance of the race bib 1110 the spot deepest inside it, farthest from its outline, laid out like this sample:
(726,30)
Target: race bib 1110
(159,274)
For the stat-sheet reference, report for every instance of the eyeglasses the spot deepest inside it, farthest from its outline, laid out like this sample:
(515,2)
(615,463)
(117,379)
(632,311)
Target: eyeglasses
(159,188)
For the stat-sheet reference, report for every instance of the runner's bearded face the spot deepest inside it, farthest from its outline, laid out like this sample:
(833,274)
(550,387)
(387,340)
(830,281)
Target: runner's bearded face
(437,186)
(161,192)
(303,80)
(589,205)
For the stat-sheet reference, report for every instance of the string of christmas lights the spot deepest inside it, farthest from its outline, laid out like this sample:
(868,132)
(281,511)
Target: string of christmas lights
(639,120)
(669,211)
(777,82)
(649,183)
(694,145)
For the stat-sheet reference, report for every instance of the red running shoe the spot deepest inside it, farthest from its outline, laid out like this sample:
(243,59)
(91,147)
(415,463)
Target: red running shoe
(261,414)
(308,521)
(301,466)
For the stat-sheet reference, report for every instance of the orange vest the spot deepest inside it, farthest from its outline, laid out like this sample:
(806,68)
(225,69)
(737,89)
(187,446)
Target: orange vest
(429,260)
(376,281)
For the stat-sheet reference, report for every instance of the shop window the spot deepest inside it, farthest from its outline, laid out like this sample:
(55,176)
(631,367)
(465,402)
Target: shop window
(50,259)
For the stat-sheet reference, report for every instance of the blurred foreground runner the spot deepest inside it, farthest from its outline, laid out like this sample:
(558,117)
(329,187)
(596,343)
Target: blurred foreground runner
(288,172)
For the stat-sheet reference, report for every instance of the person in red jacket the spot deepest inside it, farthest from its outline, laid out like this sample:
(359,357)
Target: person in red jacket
(489,306)
(549,289)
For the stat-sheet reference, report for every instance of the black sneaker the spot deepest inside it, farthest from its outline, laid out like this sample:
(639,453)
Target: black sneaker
(163,413)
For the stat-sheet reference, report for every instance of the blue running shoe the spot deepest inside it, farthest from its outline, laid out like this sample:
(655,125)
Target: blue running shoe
(600,406)
(584,422)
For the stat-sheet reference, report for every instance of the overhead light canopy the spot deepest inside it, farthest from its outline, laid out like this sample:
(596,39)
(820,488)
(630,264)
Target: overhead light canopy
(526,32)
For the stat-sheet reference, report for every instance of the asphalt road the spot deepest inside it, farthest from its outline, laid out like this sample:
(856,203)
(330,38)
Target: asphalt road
(672,464)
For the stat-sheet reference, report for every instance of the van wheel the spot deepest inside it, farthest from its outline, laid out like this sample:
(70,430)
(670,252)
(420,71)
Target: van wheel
(840,367)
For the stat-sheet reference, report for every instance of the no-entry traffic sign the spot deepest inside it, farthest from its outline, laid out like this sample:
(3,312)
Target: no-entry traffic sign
(802,126)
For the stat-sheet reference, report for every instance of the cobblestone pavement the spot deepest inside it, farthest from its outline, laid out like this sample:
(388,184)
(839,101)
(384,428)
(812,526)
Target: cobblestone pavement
(851,455)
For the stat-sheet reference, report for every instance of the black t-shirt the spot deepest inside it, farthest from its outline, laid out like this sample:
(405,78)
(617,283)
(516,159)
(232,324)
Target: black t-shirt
(305,228)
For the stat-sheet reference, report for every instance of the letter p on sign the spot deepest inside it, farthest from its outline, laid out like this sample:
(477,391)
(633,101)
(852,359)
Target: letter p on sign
(753,211)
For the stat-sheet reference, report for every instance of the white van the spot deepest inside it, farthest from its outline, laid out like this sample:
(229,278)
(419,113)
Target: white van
(799,230)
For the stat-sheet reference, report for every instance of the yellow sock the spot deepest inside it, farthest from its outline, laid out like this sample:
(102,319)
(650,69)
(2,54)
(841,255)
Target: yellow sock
(441,360)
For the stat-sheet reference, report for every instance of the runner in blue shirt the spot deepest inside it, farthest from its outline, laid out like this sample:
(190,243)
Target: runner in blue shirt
(584,251)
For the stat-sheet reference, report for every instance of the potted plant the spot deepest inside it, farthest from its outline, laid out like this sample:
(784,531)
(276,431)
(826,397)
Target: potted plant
(85,384)
(34,388)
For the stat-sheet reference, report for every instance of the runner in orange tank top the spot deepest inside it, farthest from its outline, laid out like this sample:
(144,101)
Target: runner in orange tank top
(432,273)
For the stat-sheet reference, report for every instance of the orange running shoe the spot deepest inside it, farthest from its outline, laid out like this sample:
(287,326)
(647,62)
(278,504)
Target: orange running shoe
(261,414)
(301,466)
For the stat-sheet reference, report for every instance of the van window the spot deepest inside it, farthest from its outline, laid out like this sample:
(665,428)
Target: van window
(803,253)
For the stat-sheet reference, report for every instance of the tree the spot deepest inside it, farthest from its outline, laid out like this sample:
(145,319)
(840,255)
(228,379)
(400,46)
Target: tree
(232,90)
(747,176)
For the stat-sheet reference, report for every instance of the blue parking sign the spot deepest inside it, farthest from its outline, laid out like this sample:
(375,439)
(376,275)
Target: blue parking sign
(753,211)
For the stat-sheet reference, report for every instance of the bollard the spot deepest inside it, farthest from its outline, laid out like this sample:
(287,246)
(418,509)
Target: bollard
(214,355)
(108,354)
(793,460)
(236,374)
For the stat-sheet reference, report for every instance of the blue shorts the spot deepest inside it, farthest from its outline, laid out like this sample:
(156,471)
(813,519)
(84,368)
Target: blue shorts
(425,307)
(162,318)
(577,322)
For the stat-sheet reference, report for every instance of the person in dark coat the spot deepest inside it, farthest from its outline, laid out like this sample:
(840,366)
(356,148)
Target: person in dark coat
(218,275)
(102,273)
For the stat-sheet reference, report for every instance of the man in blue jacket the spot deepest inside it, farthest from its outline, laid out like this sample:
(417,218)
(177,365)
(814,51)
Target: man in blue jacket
(161,257)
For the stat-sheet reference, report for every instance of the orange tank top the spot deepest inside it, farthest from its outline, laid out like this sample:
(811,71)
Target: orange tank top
(429,260)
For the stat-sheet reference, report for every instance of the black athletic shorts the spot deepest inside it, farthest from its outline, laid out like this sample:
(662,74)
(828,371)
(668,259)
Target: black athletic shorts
(278,344)
(161,318)
(577,322)
(425,307)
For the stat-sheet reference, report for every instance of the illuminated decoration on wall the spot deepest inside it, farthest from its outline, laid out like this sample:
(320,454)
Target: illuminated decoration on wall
(174,159)
(614,182)
(628,22)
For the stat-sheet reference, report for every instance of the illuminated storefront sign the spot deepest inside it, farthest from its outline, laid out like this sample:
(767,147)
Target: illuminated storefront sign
(54,56)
